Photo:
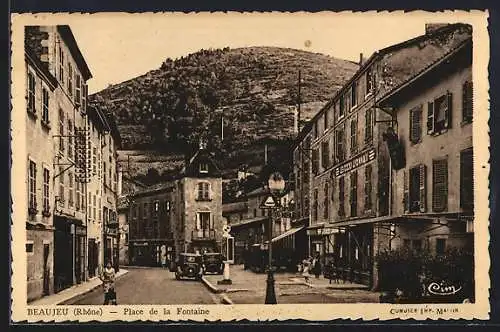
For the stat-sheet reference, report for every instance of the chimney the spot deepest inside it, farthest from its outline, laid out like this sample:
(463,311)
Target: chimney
(361,60)
(120,179)
(432,27)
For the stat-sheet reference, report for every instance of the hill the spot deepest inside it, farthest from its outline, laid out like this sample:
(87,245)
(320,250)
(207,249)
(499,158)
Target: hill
(250,90)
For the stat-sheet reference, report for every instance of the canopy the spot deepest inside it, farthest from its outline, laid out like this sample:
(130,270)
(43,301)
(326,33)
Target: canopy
(287,233)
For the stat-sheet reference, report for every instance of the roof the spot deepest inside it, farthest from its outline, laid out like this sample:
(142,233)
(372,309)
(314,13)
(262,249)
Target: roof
(447,62)
(191,169)
(69,39)
(38,65)
(159,187)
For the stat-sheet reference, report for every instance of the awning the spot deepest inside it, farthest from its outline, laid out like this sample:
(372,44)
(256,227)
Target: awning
(363,221)
(314,226)
(247,221)
(287,233)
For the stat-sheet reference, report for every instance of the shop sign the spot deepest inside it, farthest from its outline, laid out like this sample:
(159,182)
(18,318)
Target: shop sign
(355,162)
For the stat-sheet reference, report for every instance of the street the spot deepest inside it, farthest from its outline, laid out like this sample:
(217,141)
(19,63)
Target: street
(152,286)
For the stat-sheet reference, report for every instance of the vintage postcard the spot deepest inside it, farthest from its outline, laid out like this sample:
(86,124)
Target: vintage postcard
(260,166)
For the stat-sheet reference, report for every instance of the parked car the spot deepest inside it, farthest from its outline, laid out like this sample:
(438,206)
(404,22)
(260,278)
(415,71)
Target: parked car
(189,266)
(213,262)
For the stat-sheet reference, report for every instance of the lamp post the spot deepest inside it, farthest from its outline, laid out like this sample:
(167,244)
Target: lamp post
(276,185)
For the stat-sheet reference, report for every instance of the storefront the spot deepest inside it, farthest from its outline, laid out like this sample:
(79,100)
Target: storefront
(150,253)
(316,240)
(290,248)
(69,252)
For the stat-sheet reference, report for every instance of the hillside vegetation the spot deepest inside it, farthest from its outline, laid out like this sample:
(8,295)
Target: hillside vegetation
(251,90)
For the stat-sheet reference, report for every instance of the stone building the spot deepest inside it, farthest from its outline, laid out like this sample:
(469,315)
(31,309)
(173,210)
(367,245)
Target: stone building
(342,165)
(434,191)
(198,205)
(151,221)
(38,171)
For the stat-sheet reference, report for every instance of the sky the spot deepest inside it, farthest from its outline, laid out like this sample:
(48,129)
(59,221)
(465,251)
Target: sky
(118,47)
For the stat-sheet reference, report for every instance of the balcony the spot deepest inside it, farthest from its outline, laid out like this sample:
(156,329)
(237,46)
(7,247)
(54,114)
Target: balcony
(203,234)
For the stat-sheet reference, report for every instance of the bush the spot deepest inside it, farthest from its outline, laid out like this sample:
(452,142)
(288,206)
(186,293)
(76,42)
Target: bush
(412,272)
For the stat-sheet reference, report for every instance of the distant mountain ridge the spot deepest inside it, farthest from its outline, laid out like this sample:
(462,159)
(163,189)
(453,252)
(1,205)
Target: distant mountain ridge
(251,90)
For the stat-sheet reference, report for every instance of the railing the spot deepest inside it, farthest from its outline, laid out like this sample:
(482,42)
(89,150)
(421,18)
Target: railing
(203,234)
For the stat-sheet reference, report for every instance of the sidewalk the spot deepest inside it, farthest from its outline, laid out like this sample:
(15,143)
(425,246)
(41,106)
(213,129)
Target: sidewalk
(250,287)
(73,291)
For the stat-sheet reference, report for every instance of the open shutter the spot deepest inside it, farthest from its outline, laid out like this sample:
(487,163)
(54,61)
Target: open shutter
(430,117)
(448,111)
(406,194)
(422,181)
(198,221)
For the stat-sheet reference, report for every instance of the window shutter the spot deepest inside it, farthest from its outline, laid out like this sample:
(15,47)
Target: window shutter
(440,185)
(430,117)
(422,181)
(406,194)
(198,221)
(448,111)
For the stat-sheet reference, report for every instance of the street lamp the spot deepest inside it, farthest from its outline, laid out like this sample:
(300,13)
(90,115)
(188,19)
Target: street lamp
(276,185)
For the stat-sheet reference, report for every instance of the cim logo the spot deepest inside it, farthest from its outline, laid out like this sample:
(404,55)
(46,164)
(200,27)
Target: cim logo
(443,288)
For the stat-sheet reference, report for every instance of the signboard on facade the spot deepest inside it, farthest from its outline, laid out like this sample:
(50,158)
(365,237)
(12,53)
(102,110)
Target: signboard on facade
(355,162)
(269,203)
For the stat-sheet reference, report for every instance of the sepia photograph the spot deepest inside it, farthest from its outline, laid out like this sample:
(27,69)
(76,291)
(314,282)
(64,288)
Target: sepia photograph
(210,160)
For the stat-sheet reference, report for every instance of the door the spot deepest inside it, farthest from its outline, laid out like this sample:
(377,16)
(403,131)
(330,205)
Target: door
(46,269)
(78,270)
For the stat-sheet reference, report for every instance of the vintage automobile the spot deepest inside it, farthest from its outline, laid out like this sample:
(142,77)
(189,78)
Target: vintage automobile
(213,262)
(189,266)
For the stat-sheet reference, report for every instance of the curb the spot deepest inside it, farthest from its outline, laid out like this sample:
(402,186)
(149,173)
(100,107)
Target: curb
(90,290)
(211,287)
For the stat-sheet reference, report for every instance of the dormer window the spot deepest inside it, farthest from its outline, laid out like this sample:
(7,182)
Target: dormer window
(203,168)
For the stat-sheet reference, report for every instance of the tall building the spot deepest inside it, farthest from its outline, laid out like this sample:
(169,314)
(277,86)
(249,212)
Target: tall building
(342,164)
(198,205)
(434,191)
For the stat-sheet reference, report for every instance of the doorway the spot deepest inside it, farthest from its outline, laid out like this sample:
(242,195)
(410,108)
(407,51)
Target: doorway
(46,269)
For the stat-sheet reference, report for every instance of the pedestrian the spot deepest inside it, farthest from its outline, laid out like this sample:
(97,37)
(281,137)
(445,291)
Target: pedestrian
(108,280)
(316,266)
(306,263)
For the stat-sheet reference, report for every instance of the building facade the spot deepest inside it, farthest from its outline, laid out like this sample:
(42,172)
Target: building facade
(434,192)
(150,225)
(63,162)
(341,162)
(198,205)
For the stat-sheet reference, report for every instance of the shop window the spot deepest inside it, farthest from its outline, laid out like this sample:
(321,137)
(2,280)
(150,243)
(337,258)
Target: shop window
(416,124)
(467,102)
(415,189)
(439,114)
(354,193)
(31,93)
(440,246)
(203,191)
(439,185)
(466,180)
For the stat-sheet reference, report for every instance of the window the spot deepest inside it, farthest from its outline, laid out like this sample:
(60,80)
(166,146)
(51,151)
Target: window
(315,204)
(84,97)
(29,247)
(354,94)
(203,220)
(369,82)
(439,114)
(31,93)
(156,207)
(368,126)
(78,193)
(70,185)
(78,89)
(167,206)
(203,191)
(70,79)
(439,185)
(325,154)
(342,106)
(326,201)
(46,192)
(32,187)
(416,124)
(467,102)
(368,187)
(203,168)
(94,206)
(466,180)
(315,161)
(354,193)
(325,120)
(45,106)
(61,65)
(354,136)
(61,130)
(414,189)
(90,206)
(440,246)
(61,185)
(341,196)
(104,173)
(339,138)
(70,139)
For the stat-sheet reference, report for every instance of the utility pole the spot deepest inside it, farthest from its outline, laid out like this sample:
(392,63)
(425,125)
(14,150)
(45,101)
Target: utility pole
(298,103)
